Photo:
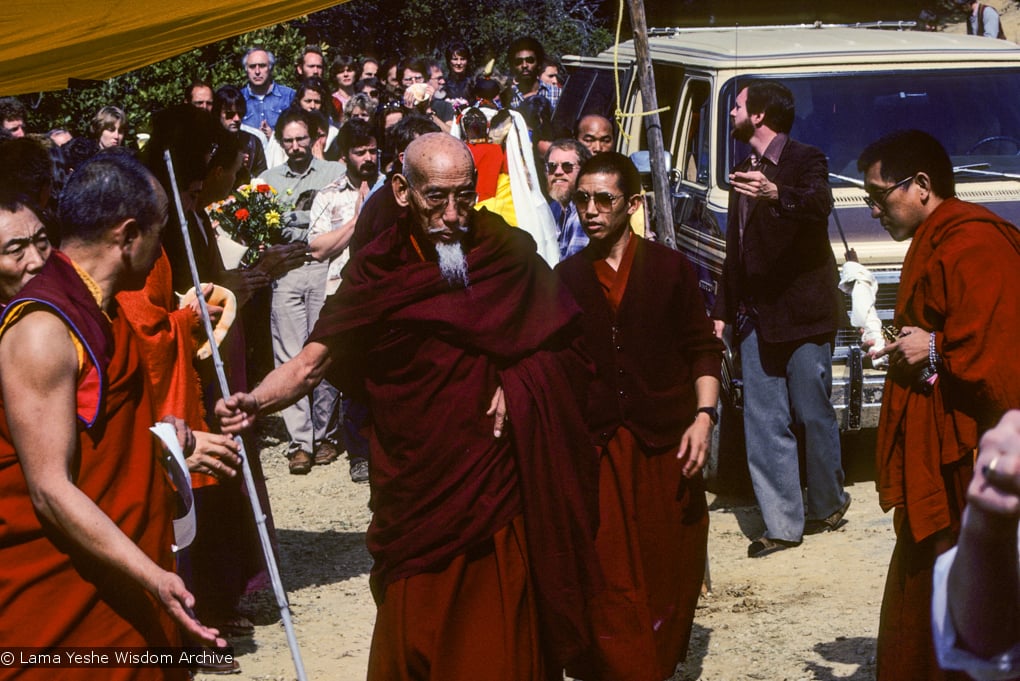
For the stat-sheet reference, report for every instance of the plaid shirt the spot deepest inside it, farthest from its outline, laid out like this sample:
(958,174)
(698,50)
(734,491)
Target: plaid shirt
(334,205)
(550,92)
(569,232)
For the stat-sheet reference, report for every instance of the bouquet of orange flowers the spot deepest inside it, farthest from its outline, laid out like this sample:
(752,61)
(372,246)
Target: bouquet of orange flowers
(251,216)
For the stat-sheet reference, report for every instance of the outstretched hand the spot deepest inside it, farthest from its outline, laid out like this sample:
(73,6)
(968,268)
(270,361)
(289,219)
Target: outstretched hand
(237,412)
(178,601)
(754,184)
(279,259)
(215,455)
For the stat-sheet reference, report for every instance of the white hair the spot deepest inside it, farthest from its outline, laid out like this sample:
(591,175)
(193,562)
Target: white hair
(453,263)
(272,59)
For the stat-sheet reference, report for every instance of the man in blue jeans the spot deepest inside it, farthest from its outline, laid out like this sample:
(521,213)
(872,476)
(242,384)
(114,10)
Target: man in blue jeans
(779,290)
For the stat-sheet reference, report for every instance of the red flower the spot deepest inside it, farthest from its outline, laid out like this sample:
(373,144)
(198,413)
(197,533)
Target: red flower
(263,189)
(242,214)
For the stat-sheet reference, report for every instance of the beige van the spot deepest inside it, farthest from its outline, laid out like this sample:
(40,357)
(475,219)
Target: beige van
(852,85)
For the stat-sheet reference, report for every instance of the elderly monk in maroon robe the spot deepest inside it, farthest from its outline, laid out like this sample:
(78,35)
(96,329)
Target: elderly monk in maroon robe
(85,509)
(482,530)
(651,410)
(953,373)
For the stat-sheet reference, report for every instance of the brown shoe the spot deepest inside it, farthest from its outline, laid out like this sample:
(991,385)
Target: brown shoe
(326,453)
(830,524)
(300,463)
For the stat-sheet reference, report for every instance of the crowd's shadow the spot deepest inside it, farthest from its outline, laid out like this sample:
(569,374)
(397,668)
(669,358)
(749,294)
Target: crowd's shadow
(744,509)
(859,650)
(692,667)
(325,557)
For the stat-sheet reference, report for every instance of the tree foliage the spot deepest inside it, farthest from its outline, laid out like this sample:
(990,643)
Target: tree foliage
(158,85)
(398,28)
(382,28)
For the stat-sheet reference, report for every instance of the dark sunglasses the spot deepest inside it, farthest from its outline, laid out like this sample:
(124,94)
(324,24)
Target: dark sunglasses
(567,166)
(524,60)
(603,200)
(878,199)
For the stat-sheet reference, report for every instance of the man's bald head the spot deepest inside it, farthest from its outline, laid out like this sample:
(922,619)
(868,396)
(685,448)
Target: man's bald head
(436,152)
(595,132)
(438,186)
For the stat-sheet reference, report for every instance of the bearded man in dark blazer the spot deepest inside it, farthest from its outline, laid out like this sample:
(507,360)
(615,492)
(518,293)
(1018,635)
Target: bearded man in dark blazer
(779,290)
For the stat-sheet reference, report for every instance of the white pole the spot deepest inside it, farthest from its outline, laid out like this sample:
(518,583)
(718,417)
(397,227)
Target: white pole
(249,481)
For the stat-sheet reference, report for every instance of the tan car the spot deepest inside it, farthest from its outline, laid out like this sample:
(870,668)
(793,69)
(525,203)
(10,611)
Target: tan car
(852,85)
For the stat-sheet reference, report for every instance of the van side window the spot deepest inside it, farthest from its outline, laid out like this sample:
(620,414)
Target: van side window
(695,138)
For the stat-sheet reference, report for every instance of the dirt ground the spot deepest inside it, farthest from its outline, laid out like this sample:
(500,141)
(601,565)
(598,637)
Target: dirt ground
(808,613)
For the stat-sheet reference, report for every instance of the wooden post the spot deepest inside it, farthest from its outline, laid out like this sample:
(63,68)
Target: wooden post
(656,147)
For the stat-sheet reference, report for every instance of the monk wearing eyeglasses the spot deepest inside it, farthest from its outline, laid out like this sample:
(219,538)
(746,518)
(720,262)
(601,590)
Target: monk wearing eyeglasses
(462,343)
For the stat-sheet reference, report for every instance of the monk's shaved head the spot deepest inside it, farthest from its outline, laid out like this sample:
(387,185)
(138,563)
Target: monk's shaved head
(436,153)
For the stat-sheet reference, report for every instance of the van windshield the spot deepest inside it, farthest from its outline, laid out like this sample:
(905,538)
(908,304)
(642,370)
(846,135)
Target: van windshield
(975,114)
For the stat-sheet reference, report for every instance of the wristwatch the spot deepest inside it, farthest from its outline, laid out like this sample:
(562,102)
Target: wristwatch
(712,412)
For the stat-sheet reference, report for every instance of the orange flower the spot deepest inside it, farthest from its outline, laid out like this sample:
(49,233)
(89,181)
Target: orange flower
(263,189)
(242,214)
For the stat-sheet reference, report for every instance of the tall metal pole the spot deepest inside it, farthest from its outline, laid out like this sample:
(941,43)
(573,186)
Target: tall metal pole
(656,147)
(249,480)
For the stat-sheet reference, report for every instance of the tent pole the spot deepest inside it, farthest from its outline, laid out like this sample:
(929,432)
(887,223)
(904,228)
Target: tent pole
(660,173)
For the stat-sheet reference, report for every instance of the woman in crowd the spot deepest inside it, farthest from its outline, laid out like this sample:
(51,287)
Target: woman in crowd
(108,127)
(460,80)
(360,106)
(343,73)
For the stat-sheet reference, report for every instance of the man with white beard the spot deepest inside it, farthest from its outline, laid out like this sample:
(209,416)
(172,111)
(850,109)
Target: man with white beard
(451,328)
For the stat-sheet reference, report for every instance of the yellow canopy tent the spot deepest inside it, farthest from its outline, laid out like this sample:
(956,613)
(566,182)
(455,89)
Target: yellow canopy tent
(46,42)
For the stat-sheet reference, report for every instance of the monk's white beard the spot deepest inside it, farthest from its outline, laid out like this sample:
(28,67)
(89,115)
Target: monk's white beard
(453,263)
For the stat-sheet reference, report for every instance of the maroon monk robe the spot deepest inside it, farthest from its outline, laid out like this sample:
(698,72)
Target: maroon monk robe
(430,357)
(52,593)
(960,279)
(653,522)
(475,619)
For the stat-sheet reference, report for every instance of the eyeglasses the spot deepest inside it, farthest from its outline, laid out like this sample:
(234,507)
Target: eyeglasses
(878,199)
(371,93)
(463,199)
(567,166)
(603,200)
(417,78)
(524,60)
